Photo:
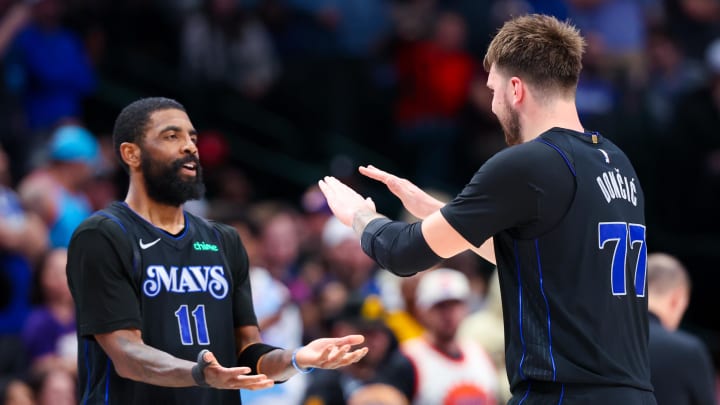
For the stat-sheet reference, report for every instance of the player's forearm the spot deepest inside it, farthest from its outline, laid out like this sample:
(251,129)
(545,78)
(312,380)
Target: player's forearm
(140,362)
(277,365)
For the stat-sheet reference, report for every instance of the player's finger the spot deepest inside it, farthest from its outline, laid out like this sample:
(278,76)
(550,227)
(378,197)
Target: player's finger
(374,173)
(350,340)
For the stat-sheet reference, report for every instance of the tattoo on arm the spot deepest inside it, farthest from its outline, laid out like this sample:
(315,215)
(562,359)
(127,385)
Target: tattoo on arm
(362,218)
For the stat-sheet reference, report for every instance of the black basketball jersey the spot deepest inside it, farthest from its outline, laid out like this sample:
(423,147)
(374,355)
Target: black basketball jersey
(185,293)
(566,213)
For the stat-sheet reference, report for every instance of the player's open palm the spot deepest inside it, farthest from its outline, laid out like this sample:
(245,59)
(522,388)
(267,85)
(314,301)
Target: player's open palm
(331,353)
(234,377)
(413,198)
(343,200)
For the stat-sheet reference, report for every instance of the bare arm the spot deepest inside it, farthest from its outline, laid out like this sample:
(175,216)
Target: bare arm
(328,353)
(135,360)
(354,210)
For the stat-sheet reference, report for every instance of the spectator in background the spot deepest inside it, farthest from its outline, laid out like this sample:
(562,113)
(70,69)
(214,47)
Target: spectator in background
(468,375)
(377,394)
(52,91)
(15,392)
(23,239)
(49,333)
(485,327)
(384,363)
(434,79)
(691,156)
(278,317)
(346,261)
(681,369)
(56,387)
(13,18)
(56,191)
(671,74)
(225,45)
(622,45)
(695,23)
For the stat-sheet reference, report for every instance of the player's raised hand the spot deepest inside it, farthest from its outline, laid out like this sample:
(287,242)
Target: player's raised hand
(344,201)
(414,199)
(331,352)
(233,378)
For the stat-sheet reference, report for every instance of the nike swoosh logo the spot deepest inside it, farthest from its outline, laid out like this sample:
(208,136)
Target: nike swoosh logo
(144,246)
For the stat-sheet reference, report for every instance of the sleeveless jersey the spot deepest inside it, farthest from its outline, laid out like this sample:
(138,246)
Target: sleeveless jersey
(441,380)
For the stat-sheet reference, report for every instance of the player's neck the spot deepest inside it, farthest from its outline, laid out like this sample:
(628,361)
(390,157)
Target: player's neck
(166,217)
(560,113)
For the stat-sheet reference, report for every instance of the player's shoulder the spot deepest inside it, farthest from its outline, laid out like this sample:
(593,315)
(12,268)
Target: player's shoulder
(687,342)
(100,222)
(100,230)
(678,342)
(224,229)
(531,157)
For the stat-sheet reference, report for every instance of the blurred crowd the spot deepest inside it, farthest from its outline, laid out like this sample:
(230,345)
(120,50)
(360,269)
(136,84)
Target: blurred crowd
(285,91)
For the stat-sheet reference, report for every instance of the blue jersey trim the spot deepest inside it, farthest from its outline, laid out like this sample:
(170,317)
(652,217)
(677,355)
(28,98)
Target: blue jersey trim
(527,392)
(107,382)
(547,308)
(520,314)
(136,255)
(87,367)
(564,156)
(182,235)
(112,218)
(562,393)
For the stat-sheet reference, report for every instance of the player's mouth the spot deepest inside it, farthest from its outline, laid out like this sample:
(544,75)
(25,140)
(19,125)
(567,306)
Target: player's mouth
(189,169)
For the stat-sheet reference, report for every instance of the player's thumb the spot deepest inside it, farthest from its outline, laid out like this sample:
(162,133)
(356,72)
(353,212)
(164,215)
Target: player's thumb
(209,358)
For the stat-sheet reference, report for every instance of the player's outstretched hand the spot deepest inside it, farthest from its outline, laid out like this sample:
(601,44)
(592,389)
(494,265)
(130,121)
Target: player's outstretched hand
(331,352)
(344,201)
(234,377)
(414,199)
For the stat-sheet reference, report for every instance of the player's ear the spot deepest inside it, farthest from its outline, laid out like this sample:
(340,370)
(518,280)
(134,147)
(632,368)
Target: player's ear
(130,154)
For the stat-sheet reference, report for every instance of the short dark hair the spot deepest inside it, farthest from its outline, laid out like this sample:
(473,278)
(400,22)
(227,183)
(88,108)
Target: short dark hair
(131,123)
(541,50)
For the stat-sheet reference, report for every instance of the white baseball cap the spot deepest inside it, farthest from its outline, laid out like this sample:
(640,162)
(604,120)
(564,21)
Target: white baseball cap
(441,285)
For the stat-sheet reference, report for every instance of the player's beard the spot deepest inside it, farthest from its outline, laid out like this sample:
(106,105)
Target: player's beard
(164,184)
(510,123)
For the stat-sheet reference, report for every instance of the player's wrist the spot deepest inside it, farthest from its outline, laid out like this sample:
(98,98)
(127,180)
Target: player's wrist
(198,370)
(296,366)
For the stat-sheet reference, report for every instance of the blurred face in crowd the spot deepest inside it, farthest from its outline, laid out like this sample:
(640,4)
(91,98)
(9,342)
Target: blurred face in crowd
(58,388)
(502,106)
(443,319)
(169,159)
(280,243)
(450,31)
(18,393)
(54,278)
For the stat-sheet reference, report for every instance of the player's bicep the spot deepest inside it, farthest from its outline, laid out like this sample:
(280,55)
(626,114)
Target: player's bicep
(447,242)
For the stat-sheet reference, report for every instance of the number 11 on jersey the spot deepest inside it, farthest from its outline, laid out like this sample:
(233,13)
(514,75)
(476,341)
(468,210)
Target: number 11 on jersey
(624,235)
(201,330)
